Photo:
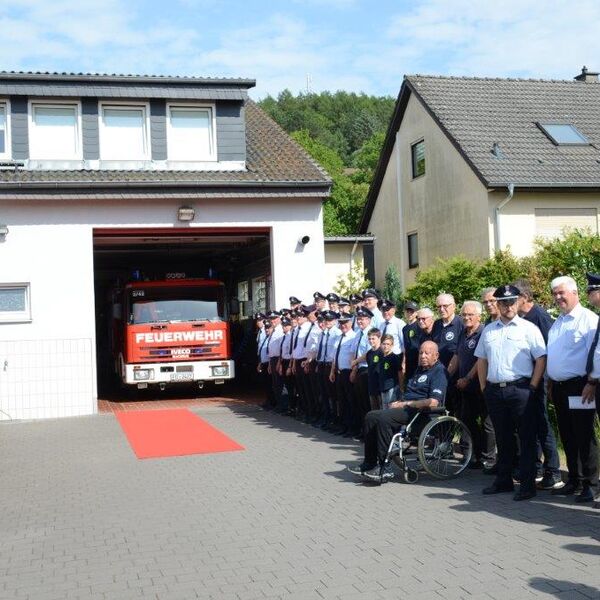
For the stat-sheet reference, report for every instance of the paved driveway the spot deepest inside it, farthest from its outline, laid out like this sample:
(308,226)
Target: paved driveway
(81,517)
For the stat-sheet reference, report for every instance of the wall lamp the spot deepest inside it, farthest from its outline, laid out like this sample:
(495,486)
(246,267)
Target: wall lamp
(304,240)
(186,213)
(3,232)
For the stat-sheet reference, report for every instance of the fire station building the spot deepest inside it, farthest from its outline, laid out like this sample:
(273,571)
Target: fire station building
(104,178)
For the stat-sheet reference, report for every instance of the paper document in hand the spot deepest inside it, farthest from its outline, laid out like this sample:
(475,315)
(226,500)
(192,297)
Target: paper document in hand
(577,402)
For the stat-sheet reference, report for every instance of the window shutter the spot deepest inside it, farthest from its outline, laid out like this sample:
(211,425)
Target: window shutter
(550,223)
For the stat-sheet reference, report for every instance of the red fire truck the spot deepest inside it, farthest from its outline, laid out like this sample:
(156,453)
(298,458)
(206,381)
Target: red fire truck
(171,331)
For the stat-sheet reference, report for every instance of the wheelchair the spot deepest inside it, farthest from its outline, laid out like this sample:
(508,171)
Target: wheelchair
(444,446)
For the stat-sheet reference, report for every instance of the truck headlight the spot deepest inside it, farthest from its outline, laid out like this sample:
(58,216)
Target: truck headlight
(220,371)
(142,374)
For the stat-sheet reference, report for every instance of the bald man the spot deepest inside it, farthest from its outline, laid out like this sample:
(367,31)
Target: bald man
(425,389)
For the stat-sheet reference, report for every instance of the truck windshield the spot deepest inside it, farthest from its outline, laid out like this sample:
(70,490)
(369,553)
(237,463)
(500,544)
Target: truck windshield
(172,304)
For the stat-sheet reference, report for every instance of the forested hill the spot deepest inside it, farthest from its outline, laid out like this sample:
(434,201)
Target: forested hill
(344,132)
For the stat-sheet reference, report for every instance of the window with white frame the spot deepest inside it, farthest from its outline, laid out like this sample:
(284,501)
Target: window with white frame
(4,142)
(15,304)
(190,133)
(124,132)
(54,132)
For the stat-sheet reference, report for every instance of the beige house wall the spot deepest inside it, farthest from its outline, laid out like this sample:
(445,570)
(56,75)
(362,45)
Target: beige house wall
(517,218)
(447,207)
(385,223)
(338,261)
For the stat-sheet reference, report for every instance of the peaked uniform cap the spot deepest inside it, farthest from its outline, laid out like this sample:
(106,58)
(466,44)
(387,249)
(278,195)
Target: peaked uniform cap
(294,300)
(370,293)
(331,297)
(387,304)
(319,296)
(274,314)
(330,315)
(363,311)
(507,292)
(593,281)
(356,298)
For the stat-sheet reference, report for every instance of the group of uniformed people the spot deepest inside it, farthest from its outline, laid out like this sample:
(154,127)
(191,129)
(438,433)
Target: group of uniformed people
(498,377)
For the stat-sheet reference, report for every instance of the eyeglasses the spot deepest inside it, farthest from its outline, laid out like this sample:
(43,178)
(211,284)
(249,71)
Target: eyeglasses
(444,305)
(468,315)
(423,318)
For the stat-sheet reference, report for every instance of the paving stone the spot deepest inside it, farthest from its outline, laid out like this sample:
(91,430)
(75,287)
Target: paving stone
(81,517)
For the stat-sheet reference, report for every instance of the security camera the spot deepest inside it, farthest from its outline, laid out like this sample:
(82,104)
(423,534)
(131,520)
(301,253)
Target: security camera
(304,240)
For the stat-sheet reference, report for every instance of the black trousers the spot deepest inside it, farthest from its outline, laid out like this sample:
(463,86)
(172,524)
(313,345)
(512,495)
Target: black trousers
(345,398)
(576,429)
(473,413)
(302,382)
(278,383)
(289,382)
(514,407)
(327,390)
(267,384)
(362,404)
(314,381)
(379,429)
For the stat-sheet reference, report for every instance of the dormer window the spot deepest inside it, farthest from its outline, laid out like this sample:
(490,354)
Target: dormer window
(124,132)
(4,147)
(54,132)
(191,133)
(563,134)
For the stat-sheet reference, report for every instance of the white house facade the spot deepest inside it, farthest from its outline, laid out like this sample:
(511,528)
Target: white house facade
(104,176)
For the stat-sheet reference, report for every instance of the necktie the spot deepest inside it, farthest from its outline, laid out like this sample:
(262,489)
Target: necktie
(320,346)
(265,341)
(296,340)
(337,352)
(308,333)
(358,345)
(292,345)
(282,342)
(325,348)
(590,359)
(384,328)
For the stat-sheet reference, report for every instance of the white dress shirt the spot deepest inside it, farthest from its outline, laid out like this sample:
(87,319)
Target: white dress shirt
(394,328)
(361,344)
(263,350)
(510,349)
(301,340)
(286,345)
(345,356)
(275,342)
(330,344)
(569,341)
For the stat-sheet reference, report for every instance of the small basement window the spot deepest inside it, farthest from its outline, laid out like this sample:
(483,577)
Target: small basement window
(15,306)
(4,153)
(413,250)
(563,134)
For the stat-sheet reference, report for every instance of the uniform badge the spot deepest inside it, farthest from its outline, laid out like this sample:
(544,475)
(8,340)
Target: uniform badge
(507,290)
(422,379)
(376,358)
(386,366)
(411,333)
(471,344)
(449,336)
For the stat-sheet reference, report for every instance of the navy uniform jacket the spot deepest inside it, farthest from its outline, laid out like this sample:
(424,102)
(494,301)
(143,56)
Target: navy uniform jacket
(465,350)
(428,383)
(413,337)
(538,316)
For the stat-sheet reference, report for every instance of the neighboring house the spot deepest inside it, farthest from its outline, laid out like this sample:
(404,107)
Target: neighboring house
(342,252)
(473,165)
(102,176)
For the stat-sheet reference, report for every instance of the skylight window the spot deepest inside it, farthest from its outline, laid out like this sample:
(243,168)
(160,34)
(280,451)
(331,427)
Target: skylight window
(561,134)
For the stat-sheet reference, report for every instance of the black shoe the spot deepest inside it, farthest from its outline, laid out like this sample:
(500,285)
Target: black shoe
(524,495)
(566,490)
(475,464)
(586,495)
(360,469)
(492,470)
(497,489)
(379,474)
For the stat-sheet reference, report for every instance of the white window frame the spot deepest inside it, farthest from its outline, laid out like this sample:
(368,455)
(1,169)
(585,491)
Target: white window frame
(18,316)
(212,153)
(7,140)
(121,105)
(50,103)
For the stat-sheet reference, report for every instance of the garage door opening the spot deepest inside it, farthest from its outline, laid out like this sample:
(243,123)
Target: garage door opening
(133,262)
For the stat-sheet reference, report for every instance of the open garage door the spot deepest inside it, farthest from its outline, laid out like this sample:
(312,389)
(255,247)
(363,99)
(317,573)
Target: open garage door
(239,257)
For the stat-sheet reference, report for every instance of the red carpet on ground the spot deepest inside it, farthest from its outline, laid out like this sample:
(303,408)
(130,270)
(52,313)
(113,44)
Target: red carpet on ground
(173,432)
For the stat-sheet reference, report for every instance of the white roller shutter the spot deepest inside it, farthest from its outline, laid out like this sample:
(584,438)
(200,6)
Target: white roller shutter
(551,223)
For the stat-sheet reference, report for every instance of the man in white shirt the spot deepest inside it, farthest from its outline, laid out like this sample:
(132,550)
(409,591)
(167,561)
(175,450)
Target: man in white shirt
(512,358)
(359,375)
(274,349)
(569,342)
(370,300)
(392,325)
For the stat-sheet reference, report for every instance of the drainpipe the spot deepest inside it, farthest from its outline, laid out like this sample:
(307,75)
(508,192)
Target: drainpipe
(511,192)
(403,260)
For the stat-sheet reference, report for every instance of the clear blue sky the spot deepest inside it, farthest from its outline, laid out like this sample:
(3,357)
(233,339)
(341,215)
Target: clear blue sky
(355,45)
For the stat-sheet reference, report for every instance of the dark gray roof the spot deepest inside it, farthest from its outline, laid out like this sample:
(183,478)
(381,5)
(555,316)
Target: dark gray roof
(73,85)
(275,165)
(476,113)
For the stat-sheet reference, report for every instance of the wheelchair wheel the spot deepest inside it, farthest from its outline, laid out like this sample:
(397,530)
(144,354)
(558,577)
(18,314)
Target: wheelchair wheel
(410,476)
(445,447)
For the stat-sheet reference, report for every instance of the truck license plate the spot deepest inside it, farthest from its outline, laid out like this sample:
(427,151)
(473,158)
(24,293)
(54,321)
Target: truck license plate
(181,376)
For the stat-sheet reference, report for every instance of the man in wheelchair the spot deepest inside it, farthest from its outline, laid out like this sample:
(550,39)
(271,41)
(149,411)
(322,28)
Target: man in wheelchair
(426,389)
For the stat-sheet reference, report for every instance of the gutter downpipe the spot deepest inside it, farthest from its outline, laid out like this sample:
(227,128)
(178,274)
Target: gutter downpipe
(497,229)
